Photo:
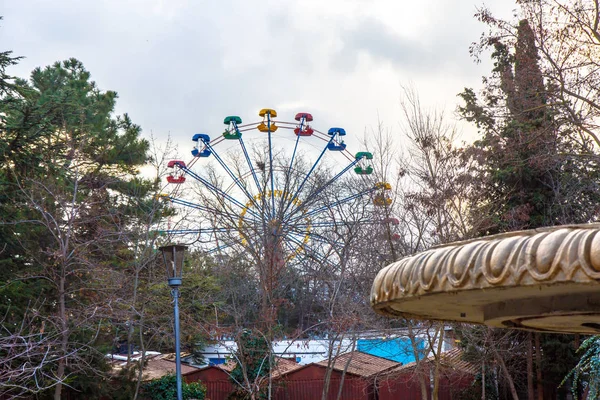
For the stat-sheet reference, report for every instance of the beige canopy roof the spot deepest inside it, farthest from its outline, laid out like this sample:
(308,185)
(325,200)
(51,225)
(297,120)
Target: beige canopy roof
(543,279)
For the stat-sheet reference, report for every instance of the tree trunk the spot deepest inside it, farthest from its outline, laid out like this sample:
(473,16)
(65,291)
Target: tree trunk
(330,361)
(530,390)
(60,373)
(483,381)
(340,390)
(511,384)
(132,313)
(140,376)
(416,354)
(538,367)
(436,374)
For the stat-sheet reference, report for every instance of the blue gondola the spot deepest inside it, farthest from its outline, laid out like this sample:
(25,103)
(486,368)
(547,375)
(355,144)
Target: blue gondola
(204,152)
(336,144)
(201,153)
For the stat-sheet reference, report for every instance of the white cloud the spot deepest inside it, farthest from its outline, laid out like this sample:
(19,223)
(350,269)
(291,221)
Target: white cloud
(181,66)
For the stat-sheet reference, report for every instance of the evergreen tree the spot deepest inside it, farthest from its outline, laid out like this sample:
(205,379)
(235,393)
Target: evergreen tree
(68,185)
(528,172)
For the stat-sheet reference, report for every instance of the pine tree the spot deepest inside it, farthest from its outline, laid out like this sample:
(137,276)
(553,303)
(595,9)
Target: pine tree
(67,185)
(527,171)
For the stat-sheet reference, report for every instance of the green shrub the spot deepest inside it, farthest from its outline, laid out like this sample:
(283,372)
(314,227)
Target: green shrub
(165,388)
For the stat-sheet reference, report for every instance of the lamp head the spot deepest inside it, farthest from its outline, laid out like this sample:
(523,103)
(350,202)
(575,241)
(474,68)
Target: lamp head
(173,259)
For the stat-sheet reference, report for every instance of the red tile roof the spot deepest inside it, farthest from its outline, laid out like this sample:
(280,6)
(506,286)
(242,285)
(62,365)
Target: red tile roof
(282,365)
(157,366)
(361,364)
(453,359)
(450,360)
(227,367)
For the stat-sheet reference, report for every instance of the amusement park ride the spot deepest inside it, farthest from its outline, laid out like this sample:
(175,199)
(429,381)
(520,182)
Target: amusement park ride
(267,200)
(274,207)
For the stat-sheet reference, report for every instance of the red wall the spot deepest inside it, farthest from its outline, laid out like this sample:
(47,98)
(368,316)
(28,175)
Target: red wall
(216,381)
(407,387)
(206,374)
(452,385)
(308,383)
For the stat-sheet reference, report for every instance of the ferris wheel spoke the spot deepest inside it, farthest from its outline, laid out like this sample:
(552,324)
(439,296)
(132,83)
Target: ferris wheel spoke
(268,115)
(218,248)
(328,224)
(250,166)
(331,181)
(312,252)
(289,170)
(186,203)
(197,231)
(315,232)
(332,224)
(220,192)
(334,204)
(314,236)
(314,166)
(294,251)
(222,212)
(238,182)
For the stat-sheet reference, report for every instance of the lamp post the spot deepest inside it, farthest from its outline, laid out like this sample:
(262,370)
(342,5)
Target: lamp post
(173,258)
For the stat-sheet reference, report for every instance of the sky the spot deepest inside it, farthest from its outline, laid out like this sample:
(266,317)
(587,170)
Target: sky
(181,66)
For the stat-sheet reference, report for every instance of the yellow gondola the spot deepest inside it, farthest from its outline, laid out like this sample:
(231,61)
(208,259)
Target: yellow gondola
(264,128)
(266,111)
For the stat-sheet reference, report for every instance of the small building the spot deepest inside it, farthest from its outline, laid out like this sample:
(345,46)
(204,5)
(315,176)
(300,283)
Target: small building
(159,366)
(360,376)
(404,381)
(355,372)
(156,364)
(217,382)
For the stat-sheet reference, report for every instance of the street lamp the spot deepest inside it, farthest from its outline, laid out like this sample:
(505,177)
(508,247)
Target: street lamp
(173,258)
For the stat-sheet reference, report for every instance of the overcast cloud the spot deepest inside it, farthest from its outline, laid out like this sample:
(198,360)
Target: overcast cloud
(181,66)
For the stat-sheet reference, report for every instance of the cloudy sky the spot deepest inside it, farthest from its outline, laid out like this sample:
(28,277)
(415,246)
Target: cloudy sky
(180,66)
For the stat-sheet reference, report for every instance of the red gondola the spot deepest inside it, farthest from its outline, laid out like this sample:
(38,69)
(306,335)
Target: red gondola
(173,163)
(175,179)
(308,117)
(306,131)
(177,175)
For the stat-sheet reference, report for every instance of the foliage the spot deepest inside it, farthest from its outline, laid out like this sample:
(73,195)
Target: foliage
(165,388)
(559,357)
(587,371)
(474,392)
(68,196)
(535,165)
(253,363)
(527,169)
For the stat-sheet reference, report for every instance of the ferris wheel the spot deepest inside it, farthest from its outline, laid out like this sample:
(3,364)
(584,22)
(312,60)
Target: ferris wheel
(277,191)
